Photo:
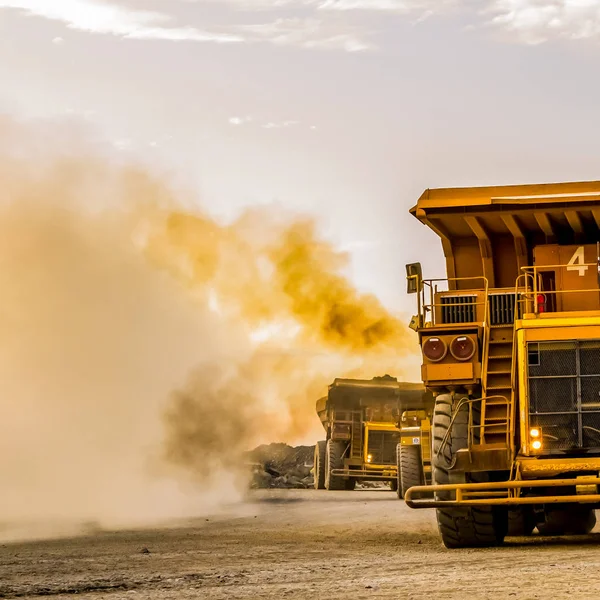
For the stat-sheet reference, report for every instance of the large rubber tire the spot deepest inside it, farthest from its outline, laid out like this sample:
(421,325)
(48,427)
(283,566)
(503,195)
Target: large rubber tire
(568,521)
(350,484)
(521,521)
(410,468)
(319,465)
(334,459)
(459,527)
(394,485)
(399,474)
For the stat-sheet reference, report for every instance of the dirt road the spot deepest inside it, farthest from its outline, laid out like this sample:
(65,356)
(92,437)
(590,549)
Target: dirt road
(300,544)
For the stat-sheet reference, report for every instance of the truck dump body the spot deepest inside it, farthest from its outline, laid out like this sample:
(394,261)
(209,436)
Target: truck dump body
(492,232)
(384,397)
(511,347)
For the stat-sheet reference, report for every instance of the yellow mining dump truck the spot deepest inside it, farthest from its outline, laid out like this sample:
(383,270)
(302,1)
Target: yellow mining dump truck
(360,418)
(511,349)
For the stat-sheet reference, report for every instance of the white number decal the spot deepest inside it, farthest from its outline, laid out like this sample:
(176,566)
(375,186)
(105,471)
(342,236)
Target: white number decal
(577,262)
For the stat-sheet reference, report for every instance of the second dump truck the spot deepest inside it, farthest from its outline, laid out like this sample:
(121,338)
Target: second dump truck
(363,424)
(510,339)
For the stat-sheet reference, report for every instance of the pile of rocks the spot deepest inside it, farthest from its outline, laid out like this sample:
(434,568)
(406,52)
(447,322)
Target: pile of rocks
(281,466)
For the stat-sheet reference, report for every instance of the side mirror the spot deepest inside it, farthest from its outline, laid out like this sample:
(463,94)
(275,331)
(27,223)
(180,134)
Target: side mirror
(414,278)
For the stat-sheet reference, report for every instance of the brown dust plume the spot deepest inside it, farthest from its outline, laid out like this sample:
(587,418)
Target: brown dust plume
(143,347)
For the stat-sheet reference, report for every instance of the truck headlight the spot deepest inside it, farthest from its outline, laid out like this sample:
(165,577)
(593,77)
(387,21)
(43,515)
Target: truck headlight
(536,444)
(369,458)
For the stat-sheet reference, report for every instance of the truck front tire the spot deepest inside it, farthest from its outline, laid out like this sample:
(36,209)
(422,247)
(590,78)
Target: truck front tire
(334,459)
(410,468)
(466,527)
(319,465)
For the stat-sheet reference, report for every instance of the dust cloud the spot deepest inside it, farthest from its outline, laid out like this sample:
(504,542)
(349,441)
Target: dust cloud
(144,346)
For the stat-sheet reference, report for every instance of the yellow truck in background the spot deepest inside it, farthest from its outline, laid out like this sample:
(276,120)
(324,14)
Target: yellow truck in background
(362,420)
(510,339)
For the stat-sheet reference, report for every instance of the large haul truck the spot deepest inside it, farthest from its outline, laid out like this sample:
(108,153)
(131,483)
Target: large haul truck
(511,350)
(362,420)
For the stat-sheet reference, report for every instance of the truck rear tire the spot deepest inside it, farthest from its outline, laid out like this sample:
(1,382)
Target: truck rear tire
(319,465)
(350,484)
(410,468)
(521,521)
(466,527)
(334,459)
(564,521)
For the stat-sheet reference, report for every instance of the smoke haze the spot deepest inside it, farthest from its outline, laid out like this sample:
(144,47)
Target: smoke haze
(144,347)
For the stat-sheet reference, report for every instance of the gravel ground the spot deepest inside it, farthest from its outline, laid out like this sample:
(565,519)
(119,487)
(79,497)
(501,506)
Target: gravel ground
(300,544)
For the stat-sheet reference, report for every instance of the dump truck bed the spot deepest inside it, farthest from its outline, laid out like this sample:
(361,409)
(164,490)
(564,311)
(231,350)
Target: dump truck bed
(404,396)
(489,233)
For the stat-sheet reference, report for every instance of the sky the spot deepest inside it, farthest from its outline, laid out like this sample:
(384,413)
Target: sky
(343,109)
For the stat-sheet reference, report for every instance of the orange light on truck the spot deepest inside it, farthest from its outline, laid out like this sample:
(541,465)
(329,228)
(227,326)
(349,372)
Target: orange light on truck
(435,349)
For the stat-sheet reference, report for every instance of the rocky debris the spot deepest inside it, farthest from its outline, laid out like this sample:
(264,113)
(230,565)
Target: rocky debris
(281,466)
(373,485)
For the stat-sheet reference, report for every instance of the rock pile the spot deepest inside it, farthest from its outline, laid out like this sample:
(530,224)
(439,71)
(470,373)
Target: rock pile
(281,466)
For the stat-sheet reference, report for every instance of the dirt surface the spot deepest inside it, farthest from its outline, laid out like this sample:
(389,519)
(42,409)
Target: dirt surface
(300,544)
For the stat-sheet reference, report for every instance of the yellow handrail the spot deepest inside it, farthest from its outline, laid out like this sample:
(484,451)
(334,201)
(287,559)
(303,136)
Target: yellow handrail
(534,272)
(428,284)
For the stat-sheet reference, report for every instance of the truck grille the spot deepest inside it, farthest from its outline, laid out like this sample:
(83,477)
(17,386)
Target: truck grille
(382,447)
(458,309)
(502,309)
(564,394)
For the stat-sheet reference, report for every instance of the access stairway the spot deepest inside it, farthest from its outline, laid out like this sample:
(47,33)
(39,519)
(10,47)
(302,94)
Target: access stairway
(497,388)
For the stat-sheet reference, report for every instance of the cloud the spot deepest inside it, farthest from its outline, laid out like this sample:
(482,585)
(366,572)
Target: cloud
(239,120)
(322,24)
(97,17)
(398,6)
(534,21)
(381,5)
(537,21)
(282,124)
(307,33)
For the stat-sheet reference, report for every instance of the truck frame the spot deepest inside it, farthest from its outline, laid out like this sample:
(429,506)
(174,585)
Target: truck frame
(511,350)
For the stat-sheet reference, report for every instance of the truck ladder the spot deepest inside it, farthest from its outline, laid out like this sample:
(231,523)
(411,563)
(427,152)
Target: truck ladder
(357,438)
(497,387)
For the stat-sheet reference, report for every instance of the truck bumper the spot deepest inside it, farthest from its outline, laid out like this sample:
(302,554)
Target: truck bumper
(384,474)
(506,493)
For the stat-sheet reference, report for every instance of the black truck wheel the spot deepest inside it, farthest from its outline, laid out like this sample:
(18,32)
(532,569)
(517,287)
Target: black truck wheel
(350,484)
(398,486)
(319,465)
(334,459)
(410,468)
(575,520)
(469,526)
(521,521)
